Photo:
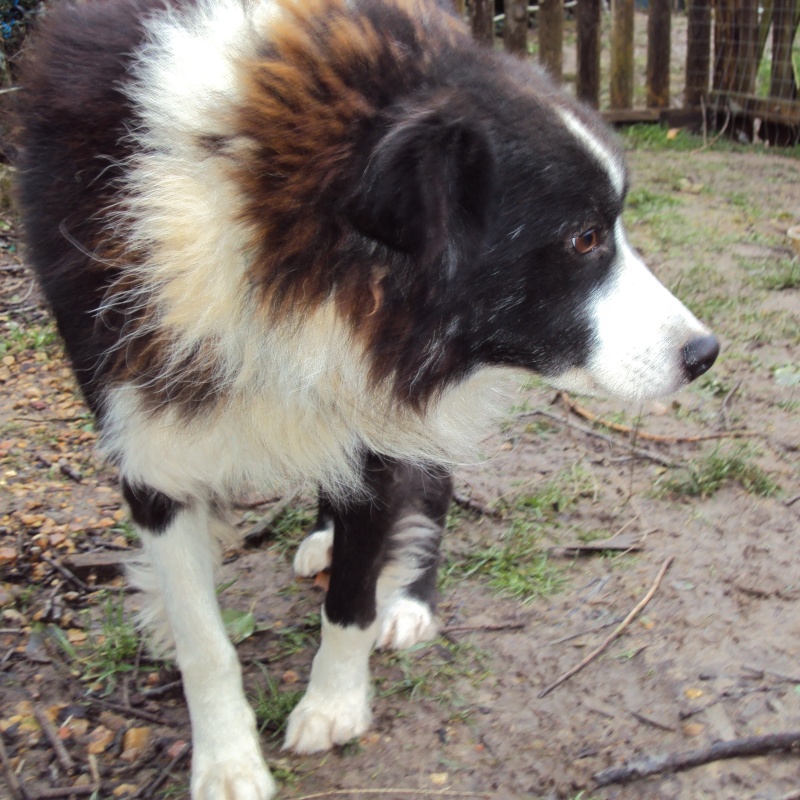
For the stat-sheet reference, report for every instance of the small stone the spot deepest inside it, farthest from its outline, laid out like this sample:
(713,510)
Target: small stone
(134,743)
(693,728)
(439,778)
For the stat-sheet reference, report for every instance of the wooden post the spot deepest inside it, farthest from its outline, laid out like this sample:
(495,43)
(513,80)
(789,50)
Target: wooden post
(551,37)
(659,23)
(782,81)
(621,53)
(483,21)
(698,52)
(588,44)
(515,29)
(736,38)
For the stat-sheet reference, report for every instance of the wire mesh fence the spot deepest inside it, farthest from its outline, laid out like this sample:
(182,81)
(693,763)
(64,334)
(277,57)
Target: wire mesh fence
(735,62)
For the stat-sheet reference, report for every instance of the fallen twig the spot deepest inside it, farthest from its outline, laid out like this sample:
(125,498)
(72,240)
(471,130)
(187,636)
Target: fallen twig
(637,451)
(723,409)
(577,635)
(257,532)
(407,792)
(498,626)
(613,635)
(792,500)
(64,791)
(70,471)
(475,506)
(14,784)
(64,758)
(160,691)
(650,437)
(69,575)
(648,720)
(760,672)
(133,712)
(150,789)
(735,748)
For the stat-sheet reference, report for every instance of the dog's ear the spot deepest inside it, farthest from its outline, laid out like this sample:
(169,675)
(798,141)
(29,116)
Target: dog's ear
(427,182)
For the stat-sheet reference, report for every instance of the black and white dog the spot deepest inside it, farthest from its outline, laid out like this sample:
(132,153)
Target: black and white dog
(302,240)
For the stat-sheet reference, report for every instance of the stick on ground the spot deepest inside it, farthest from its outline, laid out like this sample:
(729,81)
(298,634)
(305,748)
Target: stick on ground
(613,635)
(17,789)
(735,748)
(64,758)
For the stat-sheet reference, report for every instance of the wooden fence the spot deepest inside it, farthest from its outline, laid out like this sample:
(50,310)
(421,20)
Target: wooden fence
(740,60)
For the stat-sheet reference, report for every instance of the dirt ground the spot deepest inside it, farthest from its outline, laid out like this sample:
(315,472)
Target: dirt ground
(709,479)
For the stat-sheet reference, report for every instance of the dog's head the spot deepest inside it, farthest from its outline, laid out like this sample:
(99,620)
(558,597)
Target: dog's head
(506,196)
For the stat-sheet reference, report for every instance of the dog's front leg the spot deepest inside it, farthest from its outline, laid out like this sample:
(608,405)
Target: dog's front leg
(336,705)
(181,552)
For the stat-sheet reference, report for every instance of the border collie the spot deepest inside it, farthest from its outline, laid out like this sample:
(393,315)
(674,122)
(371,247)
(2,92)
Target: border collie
(302,241)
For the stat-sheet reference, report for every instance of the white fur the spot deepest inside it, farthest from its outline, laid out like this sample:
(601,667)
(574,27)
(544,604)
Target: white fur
(297,421)
(314,553)
(336,705)
(611,162)
(641,329)
(226,755)
(405,622)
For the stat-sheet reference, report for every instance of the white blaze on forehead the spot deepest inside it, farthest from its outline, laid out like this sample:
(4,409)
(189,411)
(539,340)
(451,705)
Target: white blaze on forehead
(608,159)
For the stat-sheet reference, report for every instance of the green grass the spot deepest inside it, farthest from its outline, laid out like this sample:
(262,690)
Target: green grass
(273,705)
(706,476)
(18,339)
(289,528)
(774,274)
(514,566)
(296,638)
(442,671)
(109,652)
(654,138)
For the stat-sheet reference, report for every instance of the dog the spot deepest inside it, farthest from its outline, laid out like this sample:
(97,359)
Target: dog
(304,241)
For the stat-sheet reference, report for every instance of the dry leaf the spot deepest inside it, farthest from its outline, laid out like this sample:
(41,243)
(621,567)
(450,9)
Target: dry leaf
(99,740)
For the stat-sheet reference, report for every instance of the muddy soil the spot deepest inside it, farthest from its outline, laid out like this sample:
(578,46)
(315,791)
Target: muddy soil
(709,479)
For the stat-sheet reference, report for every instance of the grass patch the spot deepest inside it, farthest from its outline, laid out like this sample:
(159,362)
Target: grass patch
(18,339)
(273,705)
(555,496)
(291,526)
(515,566)
(654,138)
(704,477)
(436,671)
(107,653)
(774,274)
(296,638)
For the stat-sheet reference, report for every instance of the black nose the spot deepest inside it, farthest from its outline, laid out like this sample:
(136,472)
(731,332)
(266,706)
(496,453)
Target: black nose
(699,355)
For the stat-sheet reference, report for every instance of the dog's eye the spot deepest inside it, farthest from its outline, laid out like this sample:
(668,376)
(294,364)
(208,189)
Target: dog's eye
(587,241)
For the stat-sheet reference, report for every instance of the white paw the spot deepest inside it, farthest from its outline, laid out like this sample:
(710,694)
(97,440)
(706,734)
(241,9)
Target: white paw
(404,623)
(318,723)
(314,553)
(232,776)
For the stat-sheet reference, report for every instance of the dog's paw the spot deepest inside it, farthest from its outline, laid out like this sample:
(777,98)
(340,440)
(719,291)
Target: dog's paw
(237,776)
(405,622)
(314,553)
(318,723)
